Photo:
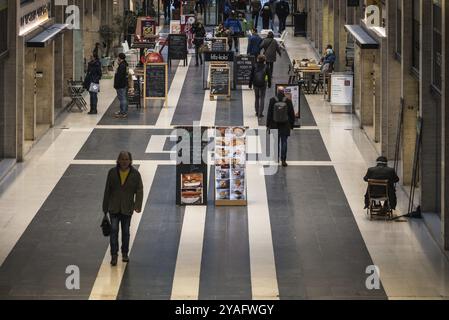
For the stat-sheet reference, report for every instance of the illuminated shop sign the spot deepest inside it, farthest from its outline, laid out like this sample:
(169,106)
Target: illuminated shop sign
(34,18)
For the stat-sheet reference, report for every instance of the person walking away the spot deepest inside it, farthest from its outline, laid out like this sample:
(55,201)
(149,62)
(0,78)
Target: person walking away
(256,5)
(259,79)
(121,86)
(254,42)
(271,47)
(233,24)
(199,4)
(383,172)
(199,33)
(281,117)
(167,10)
(123,195)
(266,16)
(93,76)
(282,11)
(272,4)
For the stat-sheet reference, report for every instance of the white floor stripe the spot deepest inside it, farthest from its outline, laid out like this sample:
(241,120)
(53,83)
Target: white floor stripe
(167,112)
(107,283)
(263,269)
(186,281)
(156,144)
(209,111)
(132,127)
(249,113)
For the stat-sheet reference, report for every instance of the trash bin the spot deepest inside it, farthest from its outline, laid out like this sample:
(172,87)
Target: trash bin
(300,22)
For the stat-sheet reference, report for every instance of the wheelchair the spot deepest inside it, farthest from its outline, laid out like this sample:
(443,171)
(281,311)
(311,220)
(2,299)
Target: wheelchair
(379,202)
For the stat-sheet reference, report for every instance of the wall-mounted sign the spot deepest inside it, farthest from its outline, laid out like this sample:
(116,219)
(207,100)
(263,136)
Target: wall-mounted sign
(34,18)
(148,27)
(372,16)
(341,89)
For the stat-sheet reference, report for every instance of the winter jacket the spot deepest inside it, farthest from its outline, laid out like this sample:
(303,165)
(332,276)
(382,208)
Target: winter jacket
(258,68)
(254,42)
(121,76)
(270,46)
(94,73)
(282,8)
(284,129)
(125,198)
(234,25)
(383,172)
(256,5)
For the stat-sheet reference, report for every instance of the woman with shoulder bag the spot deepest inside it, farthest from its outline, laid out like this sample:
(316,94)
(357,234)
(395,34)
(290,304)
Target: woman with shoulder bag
(92,81)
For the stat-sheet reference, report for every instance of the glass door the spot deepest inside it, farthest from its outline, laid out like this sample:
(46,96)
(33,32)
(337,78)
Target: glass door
(211,15)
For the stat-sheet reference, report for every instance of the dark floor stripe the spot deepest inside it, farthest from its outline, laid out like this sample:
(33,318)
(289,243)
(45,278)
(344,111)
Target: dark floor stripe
(190,103)
(230,112)
(150,273)
(319,251)
(225,266)
(65,231)
(142,116)
(106,144)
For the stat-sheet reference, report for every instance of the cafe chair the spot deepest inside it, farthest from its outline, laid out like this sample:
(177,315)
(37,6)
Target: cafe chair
(76,89)
(379,202)
(318,84)
(281,39)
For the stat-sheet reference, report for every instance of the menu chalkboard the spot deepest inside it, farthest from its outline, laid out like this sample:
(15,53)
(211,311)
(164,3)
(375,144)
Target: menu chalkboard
(177,47)
(220,81)
(219,44)
(155,79)
(243,67)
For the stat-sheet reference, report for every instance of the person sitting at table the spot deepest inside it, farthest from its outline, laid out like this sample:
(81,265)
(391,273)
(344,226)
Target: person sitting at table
(266,15)
(328,60)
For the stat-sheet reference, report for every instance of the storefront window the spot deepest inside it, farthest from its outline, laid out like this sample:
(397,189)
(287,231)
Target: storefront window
(416,36)
(436,44)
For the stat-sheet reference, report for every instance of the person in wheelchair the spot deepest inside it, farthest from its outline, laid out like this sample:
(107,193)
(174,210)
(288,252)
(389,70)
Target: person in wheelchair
(383,172)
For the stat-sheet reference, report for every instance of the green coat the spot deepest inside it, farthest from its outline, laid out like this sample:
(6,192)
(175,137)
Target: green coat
(123,199)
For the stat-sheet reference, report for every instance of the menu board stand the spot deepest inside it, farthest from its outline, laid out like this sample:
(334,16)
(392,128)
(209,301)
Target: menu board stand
(219,44)
(191,177)
(220,81)
(155,82)
(224,57)
(177,48)
(242,70)
(342,85)
(293,92)
(230,166)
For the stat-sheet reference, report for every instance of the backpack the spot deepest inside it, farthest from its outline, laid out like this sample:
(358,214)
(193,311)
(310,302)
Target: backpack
(259,77)
(280,113)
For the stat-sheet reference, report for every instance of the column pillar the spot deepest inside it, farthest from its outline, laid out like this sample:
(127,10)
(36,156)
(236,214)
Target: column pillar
(45,98)
(410,94)
(445,127)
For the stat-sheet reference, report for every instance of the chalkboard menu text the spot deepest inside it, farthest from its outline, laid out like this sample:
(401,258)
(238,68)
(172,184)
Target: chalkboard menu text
(219,44)
(177,47)
(155,81)
(220,81)
(243,67)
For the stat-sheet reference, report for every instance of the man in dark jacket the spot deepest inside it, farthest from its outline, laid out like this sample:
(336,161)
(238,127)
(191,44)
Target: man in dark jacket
(254,42)
(93,75)
(256,5)
(270,47)
(281,117)
(123,195)
(383,172)
(259,79)
(121,86)
(282,11)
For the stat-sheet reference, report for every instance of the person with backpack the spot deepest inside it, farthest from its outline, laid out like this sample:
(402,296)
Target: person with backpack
(282,11)
(271,47)
(92,81)
(233,24)
(259,79)
(199,33)
(256,5)
(281,117)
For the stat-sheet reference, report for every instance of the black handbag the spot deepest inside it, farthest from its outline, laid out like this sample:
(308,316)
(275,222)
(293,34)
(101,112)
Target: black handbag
(106,226)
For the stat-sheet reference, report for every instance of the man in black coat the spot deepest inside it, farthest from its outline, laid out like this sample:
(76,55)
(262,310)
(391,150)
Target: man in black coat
(282,11)
(281,117)
(93,75)
(121,86)
(383,172)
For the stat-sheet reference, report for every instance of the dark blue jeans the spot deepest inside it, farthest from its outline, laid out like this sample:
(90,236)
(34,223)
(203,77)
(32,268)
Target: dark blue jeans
(282,145)
(122,97)
(93,100)
(125,221)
